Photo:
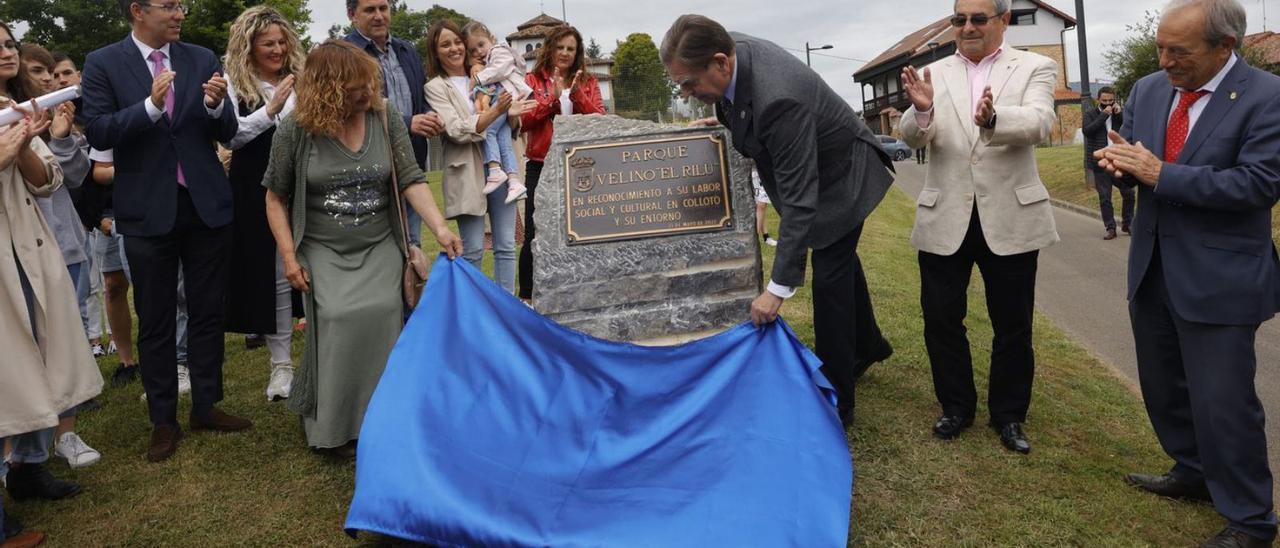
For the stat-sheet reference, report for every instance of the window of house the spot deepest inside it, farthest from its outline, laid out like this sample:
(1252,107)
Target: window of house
(528,48)
(1023,17)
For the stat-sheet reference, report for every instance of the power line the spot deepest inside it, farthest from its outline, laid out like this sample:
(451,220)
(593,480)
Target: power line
(797,50)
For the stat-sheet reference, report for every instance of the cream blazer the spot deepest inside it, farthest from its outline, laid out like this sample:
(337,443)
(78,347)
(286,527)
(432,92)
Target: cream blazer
(464,171)
(45,376)
(993,170)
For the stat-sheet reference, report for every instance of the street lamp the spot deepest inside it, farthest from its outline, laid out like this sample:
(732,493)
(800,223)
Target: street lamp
(807,60)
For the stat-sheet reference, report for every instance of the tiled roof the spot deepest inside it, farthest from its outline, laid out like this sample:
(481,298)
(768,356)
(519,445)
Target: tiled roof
(538,31)
(1267,44)
(542,20)
(1062,94)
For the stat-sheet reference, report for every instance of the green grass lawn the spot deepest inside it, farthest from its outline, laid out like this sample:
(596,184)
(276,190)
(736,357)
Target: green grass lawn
(264,487)
(1062,170)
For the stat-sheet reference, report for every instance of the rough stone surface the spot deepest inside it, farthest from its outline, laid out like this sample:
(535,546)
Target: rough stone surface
(656,289)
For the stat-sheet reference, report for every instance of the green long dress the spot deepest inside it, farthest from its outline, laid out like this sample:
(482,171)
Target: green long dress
(347,235)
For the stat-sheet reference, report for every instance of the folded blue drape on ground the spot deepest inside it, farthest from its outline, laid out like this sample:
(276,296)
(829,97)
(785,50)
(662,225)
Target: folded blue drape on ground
(495,426)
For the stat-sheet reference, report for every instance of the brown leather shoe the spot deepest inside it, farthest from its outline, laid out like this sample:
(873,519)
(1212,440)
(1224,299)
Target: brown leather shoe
(164,442)
(218,421)
(24,540)
(1111,234)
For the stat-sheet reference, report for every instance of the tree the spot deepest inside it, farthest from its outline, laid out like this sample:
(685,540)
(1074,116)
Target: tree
(593,49)
(1134,56)
(74,27)
(640,86)
(209,22)
(410,24)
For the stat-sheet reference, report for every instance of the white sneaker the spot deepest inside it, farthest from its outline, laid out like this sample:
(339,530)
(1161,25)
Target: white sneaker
(98,351)
(111,348)
(76,451)
(515,190)
(280,383)
(493,181)
(771,242)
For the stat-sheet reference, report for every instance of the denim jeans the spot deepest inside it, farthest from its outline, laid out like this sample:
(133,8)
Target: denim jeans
(415,224)
(502,217)
(498,146)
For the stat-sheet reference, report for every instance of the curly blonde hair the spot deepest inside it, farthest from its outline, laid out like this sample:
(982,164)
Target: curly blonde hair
(331,68)
(239,59)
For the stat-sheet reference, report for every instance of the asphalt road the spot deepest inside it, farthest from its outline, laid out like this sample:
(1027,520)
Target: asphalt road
(1081,286)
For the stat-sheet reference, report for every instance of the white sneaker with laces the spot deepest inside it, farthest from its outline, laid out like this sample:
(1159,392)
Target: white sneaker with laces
(515,190)
(281,381)
(98,351)
(771,242)
(184,380)
(76,451)
(493,181)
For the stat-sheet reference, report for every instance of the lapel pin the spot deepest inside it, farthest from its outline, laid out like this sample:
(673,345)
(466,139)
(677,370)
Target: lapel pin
(1234,95)
(742,114)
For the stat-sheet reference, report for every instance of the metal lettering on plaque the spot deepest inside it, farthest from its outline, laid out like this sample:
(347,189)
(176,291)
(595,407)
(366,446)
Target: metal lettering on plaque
(634,189)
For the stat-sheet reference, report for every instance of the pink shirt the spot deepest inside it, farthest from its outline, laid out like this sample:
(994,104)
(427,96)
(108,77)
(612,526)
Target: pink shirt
(979,77)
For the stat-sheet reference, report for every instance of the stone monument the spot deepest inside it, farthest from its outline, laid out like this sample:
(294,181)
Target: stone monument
(645,232)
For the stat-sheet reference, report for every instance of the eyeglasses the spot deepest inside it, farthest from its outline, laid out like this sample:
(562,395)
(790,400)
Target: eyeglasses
(167,8)
(978,19)
(11,45)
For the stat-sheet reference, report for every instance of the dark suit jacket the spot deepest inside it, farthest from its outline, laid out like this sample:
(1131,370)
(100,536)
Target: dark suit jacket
(1095,134)
(415,73)
(821,166)
(1211,211)
(116,80)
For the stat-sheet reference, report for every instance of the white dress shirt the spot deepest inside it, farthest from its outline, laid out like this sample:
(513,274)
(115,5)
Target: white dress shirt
(1198,107)
(258,121)
(152,110)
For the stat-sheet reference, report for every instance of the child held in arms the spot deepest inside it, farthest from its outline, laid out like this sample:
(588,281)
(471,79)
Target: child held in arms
(496,68)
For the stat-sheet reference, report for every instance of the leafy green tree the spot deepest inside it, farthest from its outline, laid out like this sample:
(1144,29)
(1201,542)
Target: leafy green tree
(209,22)
(1135,55)
(593,49)
(640,84)
(74,27)
(410,24)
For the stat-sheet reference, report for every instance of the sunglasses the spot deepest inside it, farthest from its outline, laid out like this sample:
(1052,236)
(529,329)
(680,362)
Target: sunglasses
(978,20)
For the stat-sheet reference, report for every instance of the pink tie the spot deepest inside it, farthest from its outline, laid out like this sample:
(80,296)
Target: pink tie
(157,66)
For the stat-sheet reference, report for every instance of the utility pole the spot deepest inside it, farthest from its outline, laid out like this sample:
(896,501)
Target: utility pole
(1085,101)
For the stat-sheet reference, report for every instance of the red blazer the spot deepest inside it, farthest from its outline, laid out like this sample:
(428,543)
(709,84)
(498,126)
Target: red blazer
(538,122)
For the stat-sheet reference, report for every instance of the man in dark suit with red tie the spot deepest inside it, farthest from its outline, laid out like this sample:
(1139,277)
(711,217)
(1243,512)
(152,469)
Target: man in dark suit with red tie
(1203,271)
(161,105)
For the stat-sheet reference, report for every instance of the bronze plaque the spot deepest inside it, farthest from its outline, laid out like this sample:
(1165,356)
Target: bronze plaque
(634,189)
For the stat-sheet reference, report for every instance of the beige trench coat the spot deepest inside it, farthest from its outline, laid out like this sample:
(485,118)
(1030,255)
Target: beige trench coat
(463,150)
(39,378)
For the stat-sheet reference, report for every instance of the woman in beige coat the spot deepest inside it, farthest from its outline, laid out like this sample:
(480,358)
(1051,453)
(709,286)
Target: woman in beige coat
(47,369)
(449,93)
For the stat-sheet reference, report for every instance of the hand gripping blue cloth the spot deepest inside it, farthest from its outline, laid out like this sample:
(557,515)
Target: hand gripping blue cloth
(495,426)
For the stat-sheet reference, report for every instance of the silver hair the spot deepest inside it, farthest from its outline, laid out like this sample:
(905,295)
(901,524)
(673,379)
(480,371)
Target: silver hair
(1222,19)
(1001,6)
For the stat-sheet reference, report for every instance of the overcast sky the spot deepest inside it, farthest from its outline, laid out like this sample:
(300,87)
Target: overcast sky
(858,29)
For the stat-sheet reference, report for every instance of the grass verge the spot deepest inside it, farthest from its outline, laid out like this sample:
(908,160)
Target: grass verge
(264,487)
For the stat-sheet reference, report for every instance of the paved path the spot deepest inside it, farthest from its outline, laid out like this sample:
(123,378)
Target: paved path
(1081,285)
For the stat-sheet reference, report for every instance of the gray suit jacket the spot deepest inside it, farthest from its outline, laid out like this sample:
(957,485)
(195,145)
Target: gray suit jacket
(822,167)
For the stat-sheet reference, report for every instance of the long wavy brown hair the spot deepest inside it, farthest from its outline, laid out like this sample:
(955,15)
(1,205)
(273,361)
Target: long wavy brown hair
(546,55)
(434,66)
(239,60)
(332,68)
(21,87)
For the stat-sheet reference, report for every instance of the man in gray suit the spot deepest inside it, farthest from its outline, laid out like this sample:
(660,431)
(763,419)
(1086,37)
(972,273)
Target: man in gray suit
(821,166)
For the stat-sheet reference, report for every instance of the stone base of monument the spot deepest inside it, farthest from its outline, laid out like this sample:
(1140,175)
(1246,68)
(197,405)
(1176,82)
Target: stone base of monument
(645,232)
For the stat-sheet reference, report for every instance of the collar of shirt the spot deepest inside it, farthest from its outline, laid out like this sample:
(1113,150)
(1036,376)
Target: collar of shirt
(733,82)
(986,61)
(368,41)
(1217,79)
(146,51)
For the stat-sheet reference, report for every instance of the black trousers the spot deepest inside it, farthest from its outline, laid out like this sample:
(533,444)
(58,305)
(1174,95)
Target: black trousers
(204,254)
(1103,182)
(532,171)
(1011,287)
(844,321)
(1198,386)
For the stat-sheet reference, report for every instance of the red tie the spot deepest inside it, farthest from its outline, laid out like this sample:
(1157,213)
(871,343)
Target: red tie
(1180,124)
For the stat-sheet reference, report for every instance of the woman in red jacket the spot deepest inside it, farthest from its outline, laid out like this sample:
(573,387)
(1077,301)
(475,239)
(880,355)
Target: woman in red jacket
(561,85)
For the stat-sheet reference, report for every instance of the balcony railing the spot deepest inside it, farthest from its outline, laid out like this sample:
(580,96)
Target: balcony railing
(876,104)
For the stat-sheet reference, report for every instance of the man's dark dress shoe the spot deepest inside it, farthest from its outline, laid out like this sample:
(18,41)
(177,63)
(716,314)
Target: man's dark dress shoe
(1124,227)
(949,427)
(1235,538)
(164,442)
(1012,437)
(881,353)
(33,481)
(124,374)
(1168,486)
(254,341)
(216,420)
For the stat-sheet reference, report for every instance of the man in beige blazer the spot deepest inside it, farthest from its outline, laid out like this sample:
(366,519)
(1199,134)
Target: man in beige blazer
(981,113)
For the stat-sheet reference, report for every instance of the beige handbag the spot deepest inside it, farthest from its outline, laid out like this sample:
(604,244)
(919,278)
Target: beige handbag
(415,261)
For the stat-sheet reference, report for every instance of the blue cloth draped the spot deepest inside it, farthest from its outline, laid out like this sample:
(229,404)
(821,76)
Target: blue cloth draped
(495,426)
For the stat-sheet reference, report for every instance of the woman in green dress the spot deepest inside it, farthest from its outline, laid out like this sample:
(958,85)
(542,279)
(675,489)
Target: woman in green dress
(331,210)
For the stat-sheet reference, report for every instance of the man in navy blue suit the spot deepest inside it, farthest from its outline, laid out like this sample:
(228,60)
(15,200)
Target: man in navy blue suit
(1203,271)
(161,105)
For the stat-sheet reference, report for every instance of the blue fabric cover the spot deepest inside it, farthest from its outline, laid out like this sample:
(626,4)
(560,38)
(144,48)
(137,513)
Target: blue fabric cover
(495,426)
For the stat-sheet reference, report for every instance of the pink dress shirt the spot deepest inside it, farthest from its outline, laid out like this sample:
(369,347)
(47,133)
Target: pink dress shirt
(979,77)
